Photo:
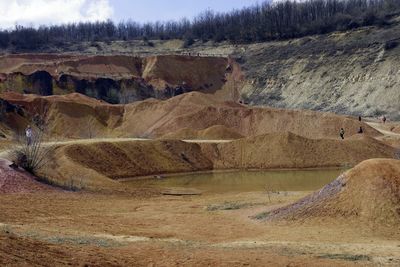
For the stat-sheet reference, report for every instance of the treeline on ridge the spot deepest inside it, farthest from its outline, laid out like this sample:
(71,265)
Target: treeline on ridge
(267,21)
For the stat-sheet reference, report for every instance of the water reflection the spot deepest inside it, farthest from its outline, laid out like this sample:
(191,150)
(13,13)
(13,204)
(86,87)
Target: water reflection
(246,181)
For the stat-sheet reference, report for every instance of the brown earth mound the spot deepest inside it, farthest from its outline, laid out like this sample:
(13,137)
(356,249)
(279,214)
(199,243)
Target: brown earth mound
(69,116)
(370,191)
(216,132)
(74,114)
(198,111)
(287,150)
(99,162)
(18,181)
(129,159)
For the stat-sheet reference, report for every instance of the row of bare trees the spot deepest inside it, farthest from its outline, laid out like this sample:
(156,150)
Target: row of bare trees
(279,20)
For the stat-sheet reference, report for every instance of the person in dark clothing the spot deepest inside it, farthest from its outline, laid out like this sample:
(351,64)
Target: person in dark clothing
(360,131)
(341,133)
(359,118)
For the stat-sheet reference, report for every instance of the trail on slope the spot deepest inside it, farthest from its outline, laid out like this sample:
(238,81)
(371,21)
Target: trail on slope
(379,127)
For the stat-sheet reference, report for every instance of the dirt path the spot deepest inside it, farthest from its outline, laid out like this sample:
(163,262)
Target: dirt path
(380,127)
(6,153)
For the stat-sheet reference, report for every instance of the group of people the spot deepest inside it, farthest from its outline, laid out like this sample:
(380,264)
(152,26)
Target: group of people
(360,131)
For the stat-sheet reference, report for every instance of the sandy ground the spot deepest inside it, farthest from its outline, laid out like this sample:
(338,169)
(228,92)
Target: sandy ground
(47,228)
(166,230)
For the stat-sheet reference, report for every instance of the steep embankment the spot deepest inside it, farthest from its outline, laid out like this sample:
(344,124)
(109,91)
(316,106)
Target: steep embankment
(13,119)
(287,150)
(120,79)
(369,192)
(98,162)
(353,72)
(198,112)
(69,116)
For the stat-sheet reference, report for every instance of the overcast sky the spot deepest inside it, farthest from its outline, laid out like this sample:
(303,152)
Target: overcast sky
(39,12)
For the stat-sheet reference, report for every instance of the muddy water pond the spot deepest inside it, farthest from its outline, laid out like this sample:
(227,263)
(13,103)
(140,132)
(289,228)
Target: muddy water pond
(245,181)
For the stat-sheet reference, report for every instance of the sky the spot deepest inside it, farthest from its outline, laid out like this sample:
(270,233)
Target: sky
(52,12)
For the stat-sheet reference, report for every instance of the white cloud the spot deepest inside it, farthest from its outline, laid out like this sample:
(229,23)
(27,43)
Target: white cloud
(39,12)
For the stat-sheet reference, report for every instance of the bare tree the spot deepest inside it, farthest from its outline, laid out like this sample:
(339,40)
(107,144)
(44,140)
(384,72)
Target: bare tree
(266,21)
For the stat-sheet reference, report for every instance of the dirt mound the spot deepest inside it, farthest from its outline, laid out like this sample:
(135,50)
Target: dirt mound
(96,162)
(196,111)
(287,150)
(216,132)
(370,191)
(18,181)
(70,116)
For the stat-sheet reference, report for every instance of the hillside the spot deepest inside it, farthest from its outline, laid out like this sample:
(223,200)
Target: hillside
(78,116)
(369,192)
(99,163)
(352,72)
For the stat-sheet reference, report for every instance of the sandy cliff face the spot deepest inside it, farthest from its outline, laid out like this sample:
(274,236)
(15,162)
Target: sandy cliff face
(350,73)
(120,79)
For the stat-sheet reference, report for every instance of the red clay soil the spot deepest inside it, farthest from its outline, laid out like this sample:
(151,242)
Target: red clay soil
(18,181)
(370,192)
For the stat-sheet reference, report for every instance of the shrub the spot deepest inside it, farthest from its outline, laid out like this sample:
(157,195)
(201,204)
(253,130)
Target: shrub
(32,157)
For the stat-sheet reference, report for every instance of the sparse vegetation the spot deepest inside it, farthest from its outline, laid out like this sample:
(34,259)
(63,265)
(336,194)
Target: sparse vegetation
(347,257)
(74,184)
(32,157)
(33,154)
(227,206)
(266,21)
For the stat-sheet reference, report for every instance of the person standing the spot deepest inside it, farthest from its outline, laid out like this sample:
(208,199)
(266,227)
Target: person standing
(28,134)
(341,133)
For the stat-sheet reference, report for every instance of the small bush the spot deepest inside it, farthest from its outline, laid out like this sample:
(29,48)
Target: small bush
(32,157)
